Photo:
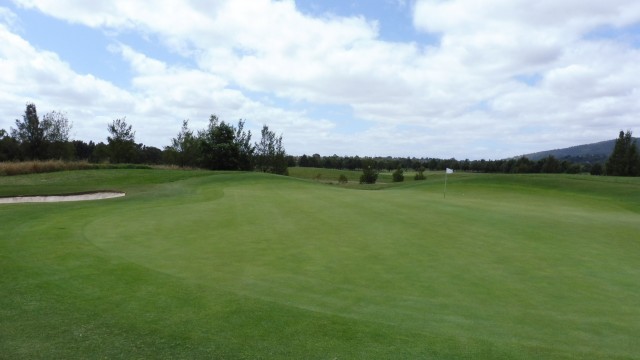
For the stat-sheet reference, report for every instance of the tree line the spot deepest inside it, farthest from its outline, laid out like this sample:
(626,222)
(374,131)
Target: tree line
(220,146)
(520,165)
(226,146)
(623,161)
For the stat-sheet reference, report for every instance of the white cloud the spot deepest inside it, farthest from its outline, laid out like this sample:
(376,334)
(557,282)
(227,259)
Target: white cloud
(28,74)
(466,87)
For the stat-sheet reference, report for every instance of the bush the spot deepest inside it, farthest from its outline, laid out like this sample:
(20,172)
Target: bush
(420,174)
(398,175)
(342,179)
(369,175)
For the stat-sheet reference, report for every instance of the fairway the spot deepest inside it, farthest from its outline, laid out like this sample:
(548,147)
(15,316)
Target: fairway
(198,264)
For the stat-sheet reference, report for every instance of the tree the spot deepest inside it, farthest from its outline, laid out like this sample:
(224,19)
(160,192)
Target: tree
(185,146)
(217,146)
(121,143)
(30,133)
(44,139)
(270,153)
(9,147)
(398,175)
(245,149)
(550,165)
(56,127)
(596,169)
(624,160)
(420,174)
(369,173)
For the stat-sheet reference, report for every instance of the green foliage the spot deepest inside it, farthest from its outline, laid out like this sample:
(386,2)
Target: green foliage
(56,127)
(46,139)
(270,154)
(551,165)
(224,146)
(245,149)
(184,150)
(369,173)
(342,179)
(9,147)
(420,174)
(624,160)
(121,142)
(596,169)
(398,175)
(29,132)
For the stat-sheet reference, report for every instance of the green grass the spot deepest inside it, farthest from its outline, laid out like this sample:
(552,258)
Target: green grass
(196,264)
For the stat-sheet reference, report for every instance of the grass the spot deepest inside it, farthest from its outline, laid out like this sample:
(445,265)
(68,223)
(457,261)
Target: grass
(46,166)
(197,264)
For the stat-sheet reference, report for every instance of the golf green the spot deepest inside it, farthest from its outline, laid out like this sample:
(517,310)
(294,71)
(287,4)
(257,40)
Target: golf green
(196,264)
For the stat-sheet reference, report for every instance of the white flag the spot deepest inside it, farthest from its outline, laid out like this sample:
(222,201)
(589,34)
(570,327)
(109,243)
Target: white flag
(449,171)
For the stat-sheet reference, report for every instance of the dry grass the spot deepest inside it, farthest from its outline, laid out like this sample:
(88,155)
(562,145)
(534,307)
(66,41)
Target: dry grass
(31,167)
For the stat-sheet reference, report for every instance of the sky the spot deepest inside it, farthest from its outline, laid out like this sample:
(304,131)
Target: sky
(467,79)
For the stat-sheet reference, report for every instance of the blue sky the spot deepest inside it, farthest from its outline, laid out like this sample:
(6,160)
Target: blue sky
(424,78)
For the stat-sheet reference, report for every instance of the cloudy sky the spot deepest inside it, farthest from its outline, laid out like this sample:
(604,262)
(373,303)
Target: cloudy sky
(427,78)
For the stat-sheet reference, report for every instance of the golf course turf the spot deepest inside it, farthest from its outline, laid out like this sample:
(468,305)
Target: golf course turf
(199,264)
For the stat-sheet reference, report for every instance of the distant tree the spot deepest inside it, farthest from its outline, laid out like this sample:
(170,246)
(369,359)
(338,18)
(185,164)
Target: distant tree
(245,149)
(56,128)
(121,142)
(185,147)
(624,160)
(83,150)
(369,173)
(420,174)
(9,147)
(398,175)
(29,132)
(523,165)
(224,146)
(596,169)
(270,154)
(550,165)
(148,155)
(100,153)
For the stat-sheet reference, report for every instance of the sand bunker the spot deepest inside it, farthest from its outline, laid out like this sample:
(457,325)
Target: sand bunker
(59,198)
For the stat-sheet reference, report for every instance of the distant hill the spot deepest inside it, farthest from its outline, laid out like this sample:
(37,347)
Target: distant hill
(590,153)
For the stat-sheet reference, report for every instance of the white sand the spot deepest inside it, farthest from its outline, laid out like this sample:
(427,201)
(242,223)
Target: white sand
(59,198)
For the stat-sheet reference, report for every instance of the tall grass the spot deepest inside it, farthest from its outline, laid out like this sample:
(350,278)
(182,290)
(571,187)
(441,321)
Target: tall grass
(34,167)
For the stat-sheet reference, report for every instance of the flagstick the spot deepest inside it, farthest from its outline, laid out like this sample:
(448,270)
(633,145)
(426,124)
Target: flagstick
(445,183)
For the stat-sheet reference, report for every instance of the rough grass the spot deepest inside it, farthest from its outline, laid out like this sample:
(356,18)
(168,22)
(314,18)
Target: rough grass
(36,167)
(248,265)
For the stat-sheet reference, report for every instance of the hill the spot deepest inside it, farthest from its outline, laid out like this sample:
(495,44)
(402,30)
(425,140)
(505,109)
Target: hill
(589,153)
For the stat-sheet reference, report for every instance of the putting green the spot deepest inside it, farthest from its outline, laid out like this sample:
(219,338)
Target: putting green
(252,265)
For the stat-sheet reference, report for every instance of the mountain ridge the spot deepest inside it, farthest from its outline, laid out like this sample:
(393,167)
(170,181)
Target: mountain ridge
(597,152)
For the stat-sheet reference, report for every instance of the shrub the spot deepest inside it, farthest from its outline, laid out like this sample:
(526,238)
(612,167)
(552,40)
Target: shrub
(369,175)
(420,174)
(398,175)
(342,179)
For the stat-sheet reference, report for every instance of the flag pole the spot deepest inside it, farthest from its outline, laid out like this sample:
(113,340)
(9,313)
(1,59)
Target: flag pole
(445,183)
(447,171)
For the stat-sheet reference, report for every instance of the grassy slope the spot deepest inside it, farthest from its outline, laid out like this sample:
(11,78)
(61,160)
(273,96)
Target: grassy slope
(195,264)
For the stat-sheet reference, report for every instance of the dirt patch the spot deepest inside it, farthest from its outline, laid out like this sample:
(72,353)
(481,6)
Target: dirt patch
(99,195)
